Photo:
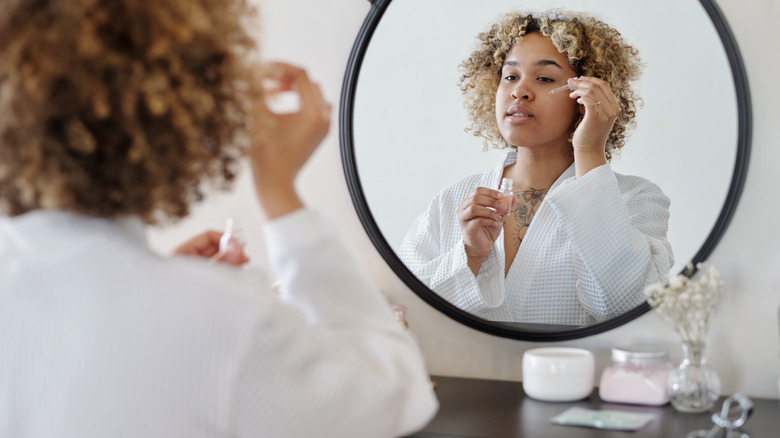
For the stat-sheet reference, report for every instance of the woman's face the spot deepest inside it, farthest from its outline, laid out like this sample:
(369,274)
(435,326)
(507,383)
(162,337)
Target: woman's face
(527,115)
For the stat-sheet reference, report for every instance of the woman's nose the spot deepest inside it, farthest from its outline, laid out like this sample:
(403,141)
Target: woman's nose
(520,92)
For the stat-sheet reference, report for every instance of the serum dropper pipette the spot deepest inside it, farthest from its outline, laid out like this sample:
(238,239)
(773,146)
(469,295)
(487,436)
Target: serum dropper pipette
(232,239)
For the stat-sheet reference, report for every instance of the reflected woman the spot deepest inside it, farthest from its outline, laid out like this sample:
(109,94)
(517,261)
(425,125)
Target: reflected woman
(579,242)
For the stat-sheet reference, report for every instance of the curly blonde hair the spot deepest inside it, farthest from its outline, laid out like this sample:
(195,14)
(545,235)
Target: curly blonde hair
(121,107)
(592,47)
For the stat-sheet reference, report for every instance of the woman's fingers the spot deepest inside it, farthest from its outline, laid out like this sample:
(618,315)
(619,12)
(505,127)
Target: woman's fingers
(280,77)
(485,202)
(595,88)
(600,104)
(205,244)
(471,212)
(481,222)
(284,142)
(600,109)
(232,256)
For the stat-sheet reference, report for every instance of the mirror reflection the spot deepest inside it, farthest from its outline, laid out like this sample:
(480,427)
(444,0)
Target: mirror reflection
(568,241)
(413,155)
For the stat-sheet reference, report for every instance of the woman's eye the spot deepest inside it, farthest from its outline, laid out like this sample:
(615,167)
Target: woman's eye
(545,79)
(510,77)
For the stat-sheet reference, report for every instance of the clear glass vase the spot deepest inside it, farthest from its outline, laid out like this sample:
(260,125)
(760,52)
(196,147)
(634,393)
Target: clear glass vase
(693,386)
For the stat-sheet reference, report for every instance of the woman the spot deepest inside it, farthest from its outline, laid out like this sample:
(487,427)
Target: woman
(114,115)
(581,241)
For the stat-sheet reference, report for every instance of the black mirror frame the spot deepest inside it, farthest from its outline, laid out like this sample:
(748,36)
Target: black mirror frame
(744,131)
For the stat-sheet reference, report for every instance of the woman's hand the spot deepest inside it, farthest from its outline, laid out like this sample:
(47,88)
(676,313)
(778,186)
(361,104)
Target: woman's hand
(282,143)
(601,110)
(206,245)
(480,224)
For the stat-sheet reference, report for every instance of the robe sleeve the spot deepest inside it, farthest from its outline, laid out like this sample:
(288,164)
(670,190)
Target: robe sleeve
(619,238)
(342,366)
(435,252)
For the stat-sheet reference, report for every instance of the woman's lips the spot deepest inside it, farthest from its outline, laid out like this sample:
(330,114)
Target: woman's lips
(517,114)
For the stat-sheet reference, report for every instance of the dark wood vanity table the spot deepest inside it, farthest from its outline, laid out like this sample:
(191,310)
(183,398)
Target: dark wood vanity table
(490,408)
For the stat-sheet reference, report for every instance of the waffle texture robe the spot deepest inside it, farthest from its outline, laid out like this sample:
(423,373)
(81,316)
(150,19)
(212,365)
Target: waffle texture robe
(590,250)
(101,337)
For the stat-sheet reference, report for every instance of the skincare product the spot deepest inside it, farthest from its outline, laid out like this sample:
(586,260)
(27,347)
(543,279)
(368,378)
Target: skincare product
(636,376)
(232,239)
(566,87)
(612,420)
(558,373)
(277,99)
(506,189)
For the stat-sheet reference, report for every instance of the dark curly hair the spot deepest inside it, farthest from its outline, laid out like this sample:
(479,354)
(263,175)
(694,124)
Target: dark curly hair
(592,47)
(122,107)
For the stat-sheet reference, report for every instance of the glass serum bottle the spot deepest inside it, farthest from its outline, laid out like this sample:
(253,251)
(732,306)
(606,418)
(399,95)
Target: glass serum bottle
(506,189)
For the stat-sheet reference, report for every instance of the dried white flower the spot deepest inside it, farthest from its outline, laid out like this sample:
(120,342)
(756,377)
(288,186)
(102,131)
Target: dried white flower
(686,303)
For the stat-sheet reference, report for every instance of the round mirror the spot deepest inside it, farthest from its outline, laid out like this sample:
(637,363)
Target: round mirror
(402,124)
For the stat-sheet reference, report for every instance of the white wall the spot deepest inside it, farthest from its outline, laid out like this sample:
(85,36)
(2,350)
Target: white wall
(744,345)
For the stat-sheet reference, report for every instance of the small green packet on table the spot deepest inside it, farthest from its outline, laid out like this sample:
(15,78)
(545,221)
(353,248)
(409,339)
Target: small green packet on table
(612,420)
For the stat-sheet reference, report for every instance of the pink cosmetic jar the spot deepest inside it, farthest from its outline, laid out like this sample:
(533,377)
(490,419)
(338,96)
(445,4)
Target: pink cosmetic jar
(636,376)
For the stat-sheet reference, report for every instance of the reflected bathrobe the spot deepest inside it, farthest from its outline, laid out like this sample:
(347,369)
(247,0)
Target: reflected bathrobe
(590,250)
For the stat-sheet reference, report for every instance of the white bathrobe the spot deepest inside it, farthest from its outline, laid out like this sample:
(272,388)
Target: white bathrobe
(590,250)
(100,337)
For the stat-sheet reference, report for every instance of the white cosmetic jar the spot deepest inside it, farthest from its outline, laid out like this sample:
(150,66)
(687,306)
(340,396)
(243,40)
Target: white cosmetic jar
(558,374)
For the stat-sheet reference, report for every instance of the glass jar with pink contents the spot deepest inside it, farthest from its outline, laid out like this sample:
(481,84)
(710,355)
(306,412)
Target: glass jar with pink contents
(636,376)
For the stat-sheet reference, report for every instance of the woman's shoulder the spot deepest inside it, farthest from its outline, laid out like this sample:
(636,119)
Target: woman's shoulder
(630,185)
(634,181)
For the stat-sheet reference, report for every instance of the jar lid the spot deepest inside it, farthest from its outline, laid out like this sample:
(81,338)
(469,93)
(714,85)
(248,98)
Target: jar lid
(639,355)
